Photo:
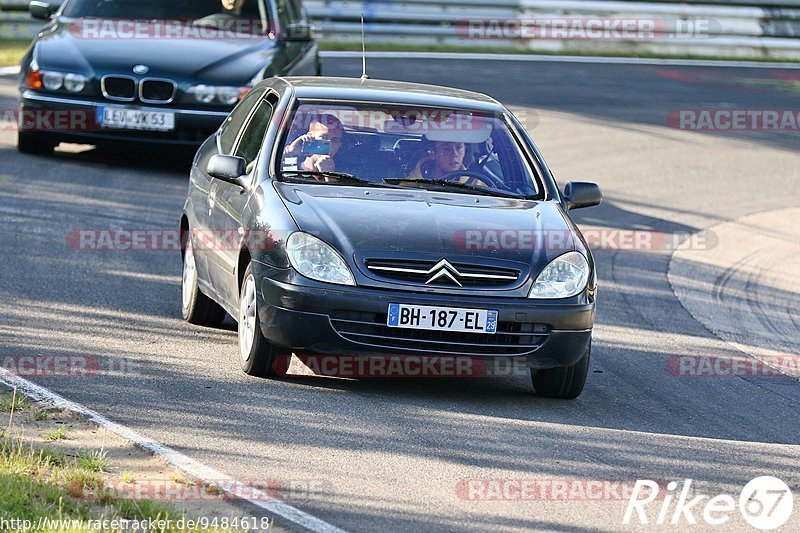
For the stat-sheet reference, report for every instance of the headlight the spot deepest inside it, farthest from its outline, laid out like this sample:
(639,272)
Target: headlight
(564,277)
(52,81)
(316,260)
(74,83)
(56,81)
(209,94)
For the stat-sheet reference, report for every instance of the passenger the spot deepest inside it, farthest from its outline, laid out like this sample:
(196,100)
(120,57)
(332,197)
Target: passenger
(444,158)
(322,128)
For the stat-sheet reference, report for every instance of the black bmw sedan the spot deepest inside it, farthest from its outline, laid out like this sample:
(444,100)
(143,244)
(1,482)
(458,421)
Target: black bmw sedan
(373,219)
(153,71)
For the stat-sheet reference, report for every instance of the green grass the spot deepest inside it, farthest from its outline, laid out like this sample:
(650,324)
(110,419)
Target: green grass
(18,402)
(57,434)
(94,461)
(45,484)
(12,50)
(40,415)
(27,484)
(477,49)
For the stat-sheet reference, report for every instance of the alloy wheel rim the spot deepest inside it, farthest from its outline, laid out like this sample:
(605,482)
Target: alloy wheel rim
(247,318)
(189,275)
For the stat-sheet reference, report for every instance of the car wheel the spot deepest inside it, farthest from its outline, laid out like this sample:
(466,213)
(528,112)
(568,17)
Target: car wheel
(257,355)
(197,307)
(563,383)
(32,143)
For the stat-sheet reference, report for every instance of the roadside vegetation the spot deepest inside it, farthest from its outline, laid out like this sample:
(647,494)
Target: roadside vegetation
(38,482)
(12,50)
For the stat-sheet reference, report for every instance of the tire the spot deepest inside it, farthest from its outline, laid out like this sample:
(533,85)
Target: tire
(256,354)
(34,144)
(562,383)
(197,308)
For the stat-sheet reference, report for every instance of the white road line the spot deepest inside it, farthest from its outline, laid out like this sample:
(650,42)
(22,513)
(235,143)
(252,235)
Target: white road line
(533,58)
(9,71)
(174,458)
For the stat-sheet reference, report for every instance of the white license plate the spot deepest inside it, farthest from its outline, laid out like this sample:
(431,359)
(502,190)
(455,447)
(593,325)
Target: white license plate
(135,119)
(442,318)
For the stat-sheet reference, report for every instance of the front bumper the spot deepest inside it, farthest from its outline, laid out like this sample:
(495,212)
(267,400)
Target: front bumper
(351,321)
(192,127)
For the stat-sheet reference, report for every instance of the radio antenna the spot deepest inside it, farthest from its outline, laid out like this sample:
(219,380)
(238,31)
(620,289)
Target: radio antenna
(363,51)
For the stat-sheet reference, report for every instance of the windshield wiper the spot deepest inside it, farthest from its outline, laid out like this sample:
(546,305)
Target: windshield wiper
(340,177)
(455,185)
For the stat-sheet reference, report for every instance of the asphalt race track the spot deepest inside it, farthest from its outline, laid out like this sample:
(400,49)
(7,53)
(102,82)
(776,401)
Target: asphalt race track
(401,454)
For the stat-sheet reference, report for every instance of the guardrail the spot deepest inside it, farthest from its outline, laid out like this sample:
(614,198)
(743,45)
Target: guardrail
(738,28)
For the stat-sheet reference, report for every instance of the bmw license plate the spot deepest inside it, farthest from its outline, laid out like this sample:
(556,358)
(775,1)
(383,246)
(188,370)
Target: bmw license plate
(442,318)
(135,119)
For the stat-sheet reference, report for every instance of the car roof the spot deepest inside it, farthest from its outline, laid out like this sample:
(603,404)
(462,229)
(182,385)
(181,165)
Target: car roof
(356,89)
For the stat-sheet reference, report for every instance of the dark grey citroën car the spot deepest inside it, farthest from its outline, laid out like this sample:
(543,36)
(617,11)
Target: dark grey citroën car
(356,219)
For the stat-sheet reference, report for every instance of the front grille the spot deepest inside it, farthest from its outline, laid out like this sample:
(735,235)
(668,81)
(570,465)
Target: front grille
(456,274)
(155,91)
(119,88)
(512,338)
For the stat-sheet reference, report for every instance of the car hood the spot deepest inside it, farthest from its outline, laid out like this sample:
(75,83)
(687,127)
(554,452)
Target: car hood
(370,223)
(64,46)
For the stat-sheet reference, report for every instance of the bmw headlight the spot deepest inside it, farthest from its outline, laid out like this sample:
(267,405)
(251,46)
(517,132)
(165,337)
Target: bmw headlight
(57,81)
(52,81)
(316,260)
(564,277)
(75,83)
(210,94)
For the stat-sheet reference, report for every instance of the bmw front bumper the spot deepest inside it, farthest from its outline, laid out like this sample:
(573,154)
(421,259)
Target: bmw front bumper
(192,127)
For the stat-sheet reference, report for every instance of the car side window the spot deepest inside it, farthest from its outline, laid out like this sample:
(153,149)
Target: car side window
(255,130)
(236,120)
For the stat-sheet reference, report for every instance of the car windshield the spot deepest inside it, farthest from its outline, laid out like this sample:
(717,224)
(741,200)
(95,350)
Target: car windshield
(248,16)
(437,149)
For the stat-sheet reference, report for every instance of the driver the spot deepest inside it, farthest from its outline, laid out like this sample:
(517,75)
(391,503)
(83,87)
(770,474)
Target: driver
(325,127)
(232,7)
(444,158)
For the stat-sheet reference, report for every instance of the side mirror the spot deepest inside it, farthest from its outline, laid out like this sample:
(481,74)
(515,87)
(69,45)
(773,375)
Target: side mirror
(42,10)
(299,31)
(228,168)
(578,194)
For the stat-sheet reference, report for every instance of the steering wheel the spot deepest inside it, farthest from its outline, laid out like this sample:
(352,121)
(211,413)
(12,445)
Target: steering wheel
(214,20)
(488,180)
